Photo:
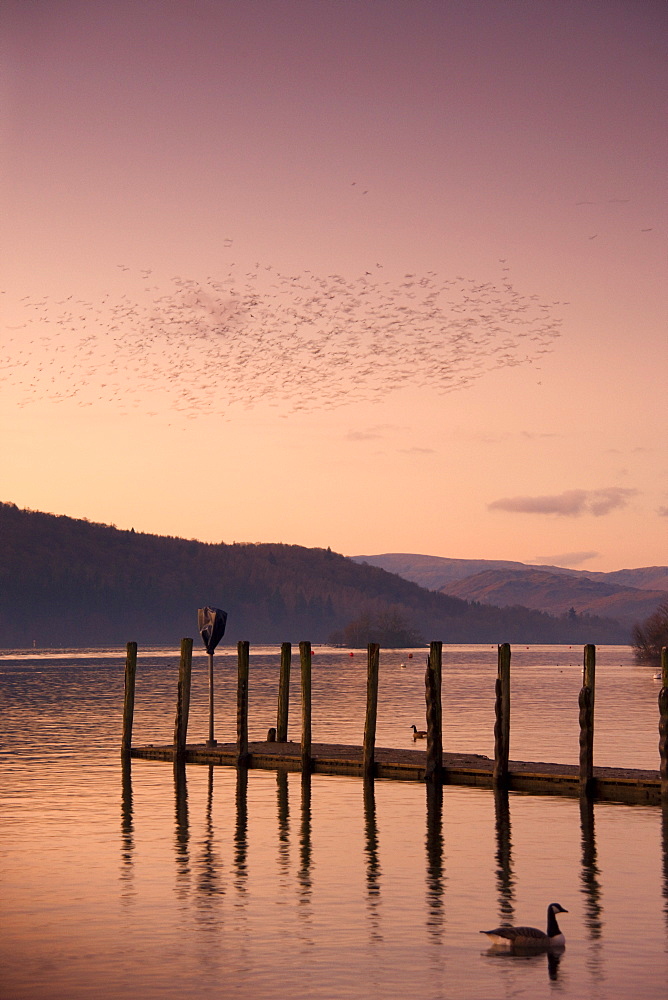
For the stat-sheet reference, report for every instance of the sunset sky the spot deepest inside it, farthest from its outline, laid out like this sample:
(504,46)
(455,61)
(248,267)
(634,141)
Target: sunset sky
(380,275)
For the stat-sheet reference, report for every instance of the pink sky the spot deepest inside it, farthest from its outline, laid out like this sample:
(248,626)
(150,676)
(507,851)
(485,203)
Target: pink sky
(288,226)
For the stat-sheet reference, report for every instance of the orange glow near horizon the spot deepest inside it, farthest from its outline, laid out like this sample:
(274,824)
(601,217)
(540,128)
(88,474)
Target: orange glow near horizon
(381,278)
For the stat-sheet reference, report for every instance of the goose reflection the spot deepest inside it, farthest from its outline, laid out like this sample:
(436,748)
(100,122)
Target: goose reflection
(551,958)
(373,871)
(182,833)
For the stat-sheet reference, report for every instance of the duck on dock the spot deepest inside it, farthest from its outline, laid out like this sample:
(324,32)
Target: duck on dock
(419,734)
(524,938)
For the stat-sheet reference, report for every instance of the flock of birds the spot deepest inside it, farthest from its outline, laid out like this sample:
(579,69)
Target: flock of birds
(293,341)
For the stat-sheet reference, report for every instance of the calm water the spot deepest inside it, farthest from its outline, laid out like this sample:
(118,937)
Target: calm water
(147,882)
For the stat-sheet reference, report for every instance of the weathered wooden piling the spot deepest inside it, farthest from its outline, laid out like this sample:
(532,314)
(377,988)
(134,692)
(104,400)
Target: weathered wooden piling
(502,718)
(305,661)
(283,693)
(242,702)
(183,697)
(368,758)
(586,703)
(129,698)
(434,768)
(663,728)
(646,786)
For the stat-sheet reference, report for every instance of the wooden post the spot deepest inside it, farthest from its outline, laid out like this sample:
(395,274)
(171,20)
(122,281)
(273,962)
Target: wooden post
(283,694)
(211,742)
(129,700)
(586,703)
(242,702)
(183,697)
(434,765)
(502,723)
(663,728)
(305,659)
(373,660)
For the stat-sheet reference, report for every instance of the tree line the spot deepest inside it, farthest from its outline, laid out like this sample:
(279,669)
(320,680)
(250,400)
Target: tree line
(72,582)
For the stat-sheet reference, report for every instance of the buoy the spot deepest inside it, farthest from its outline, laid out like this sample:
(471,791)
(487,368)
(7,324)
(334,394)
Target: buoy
(351,653)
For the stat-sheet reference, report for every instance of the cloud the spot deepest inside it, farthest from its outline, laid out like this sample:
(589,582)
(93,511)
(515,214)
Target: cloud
(372,433)
(417,451)
(570,503)
(565,558)
(363,436)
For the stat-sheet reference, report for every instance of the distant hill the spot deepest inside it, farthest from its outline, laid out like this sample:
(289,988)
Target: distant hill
(628,595)
(557,593)
(67,582)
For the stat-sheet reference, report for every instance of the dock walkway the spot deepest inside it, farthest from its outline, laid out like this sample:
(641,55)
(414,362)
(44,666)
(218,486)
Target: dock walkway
(613,784)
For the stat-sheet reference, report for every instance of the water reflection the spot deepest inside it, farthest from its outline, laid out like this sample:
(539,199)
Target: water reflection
(589,876)
(664,844)
(304,875)
(505,878)
(552,959)
(283,821)
(182,833)
(241,833)
(200,869)
(127,825)
(209,882)
(373,871)
(434,846)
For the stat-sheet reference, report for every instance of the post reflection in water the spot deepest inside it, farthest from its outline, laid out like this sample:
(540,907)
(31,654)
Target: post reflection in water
(505,878)
(591,886)
(127,826)
(304,876)
(373,871)
(209,882)
(241,833)
(664,844)
(182,834)
(435,874)
(283,821)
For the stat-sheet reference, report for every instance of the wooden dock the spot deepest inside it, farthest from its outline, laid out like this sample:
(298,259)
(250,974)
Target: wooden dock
(431,765)
(638,787)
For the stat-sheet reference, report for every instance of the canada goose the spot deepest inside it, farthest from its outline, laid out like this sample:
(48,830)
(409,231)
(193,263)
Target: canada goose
(419,734)
(507,936)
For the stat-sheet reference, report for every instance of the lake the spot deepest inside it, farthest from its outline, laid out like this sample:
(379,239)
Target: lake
(147,881)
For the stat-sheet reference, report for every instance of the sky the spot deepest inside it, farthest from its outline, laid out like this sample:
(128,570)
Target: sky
(378,275)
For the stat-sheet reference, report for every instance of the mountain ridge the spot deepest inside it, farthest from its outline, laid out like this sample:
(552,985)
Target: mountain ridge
(69,582)
(553,589)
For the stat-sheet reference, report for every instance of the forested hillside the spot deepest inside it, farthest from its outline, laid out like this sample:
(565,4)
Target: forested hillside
(67,582)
